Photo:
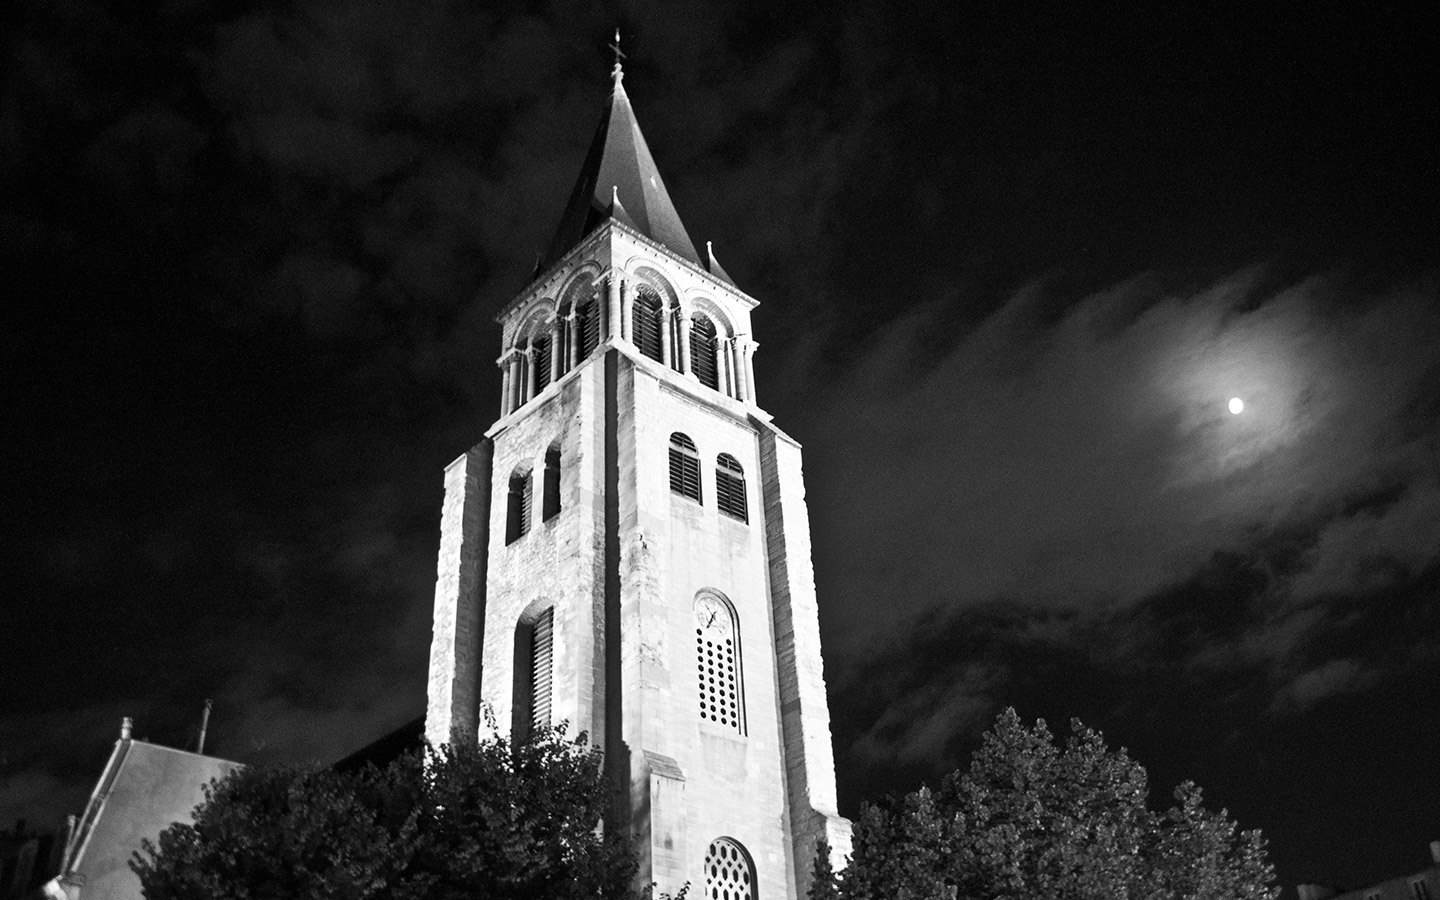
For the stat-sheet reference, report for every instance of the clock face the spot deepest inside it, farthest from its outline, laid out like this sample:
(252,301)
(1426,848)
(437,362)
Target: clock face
(712,616)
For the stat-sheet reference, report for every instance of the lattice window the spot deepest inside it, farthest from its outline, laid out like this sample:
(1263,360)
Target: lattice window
(717,660)
(517,520)
(730,487)
(729,874)
(702,352)
(540,350)
(684,467)
(589,328)
(647,314)
(542,665)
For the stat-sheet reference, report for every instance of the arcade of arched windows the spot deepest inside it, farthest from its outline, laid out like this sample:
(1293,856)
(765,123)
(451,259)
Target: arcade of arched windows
(693,338)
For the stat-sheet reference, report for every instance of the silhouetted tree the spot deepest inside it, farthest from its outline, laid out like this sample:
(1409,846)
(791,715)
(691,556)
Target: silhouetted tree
(1032,820)
(497,819)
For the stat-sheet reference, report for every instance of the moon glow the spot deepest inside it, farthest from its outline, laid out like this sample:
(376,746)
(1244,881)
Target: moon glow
(1237,406)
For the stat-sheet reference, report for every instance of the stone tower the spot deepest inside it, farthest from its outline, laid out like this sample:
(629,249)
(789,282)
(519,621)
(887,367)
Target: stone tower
(628,550)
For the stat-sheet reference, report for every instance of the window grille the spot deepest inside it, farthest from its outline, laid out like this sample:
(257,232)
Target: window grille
(589,328)
(729,874)
(552,484)
(684,467)
(541,354)
(702,352)
(542,659)
(717,663)
(647,315)
(517,521)
(730,487)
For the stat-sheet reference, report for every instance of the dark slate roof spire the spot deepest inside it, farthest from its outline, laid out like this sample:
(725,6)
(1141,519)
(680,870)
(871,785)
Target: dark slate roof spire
(620,172)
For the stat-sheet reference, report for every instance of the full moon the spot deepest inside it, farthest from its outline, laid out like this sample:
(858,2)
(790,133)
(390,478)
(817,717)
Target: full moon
(1237,406)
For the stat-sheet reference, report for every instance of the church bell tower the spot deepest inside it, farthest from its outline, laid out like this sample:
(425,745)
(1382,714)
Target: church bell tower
(628,549)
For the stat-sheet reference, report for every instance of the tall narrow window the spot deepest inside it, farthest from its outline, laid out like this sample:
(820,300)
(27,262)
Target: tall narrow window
(729,873)
(730,487)
(552,483)
(534,673)
(517,520)
(647,314)
(540,350)
(542,657)
(589,328)
(702,352)
(717,658)
(684,467)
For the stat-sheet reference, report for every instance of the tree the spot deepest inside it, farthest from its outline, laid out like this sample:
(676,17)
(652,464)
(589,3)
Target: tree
(514,821)
(1030,819)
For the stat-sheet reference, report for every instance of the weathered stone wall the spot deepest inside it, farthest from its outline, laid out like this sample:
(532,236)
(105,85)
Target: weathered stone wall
(733,783)
(558,563)
(459,613)
(809,756)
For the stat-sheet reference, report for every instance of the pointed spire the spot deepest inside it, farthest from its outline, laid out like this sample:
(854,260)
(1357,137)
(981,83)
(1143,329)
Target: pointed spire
(617,209)
(620,159)
(712,265)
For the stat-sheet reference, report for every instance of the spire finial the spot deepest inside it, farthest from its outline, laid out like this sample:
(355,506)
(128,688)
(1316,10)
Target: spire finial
(617,73)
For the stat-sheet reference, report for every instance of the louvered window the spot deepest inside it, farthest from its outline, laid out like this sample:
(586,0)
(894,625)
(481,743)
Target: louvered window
(589,328)
(729,874)
(684,467)
(702,352)
(552,484)
(517,521)
(541,354)
(542,666)
(647,315)
(730,487)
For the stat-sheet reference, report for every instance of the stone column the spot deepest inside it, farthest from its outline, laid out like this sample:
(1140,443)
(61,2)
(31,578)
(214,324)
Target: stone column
(742,387)
(727,371)
(573,340)
(627,323)
(611,318)
(685,361)
(557,349)
(750,369)
(527,375)
(504,364)
(667,338)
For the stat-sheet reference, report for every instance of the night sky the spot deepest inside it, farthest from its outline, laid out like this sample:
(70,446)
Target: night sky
(1013,261)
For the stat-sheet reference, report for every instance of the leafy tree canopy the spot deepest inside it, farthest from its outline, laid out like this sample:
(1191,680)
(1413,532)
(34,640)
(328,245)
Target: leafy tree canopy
(1032,819)
(513,821)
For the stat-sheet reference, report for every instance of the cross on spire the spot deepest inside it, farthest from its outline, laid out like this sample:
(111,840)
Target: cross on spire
(616,72)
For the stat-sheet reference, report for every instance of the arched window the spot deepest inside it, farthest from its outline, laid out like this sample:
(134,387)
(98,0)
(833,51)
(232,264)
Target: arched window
(534,673)
(684,467)
(540,353)
(647,321)
(730,487)
(551,507)
(717,657)
(729,873)
(589,327)
(517,519)
(702,352)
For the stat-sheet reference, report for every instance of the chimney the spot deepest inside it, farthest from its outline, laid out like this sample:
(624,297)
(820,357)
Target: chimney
(1435,851)
(126,725)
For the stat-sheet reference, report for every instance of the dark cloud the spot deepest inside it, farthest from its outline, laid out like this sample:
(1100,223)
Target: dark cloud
(1012,266)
